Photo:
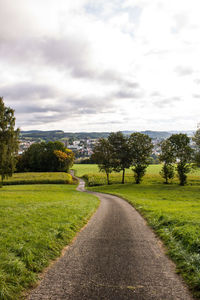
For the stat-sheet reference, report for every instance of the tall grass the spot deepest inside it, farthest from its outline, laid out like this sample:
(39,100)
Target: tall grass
(39,178)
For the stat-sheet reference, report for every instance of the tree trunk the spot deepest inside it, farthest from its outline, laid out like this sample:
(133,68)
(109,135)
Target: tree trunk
(107,174)
(1,182)
(123,175)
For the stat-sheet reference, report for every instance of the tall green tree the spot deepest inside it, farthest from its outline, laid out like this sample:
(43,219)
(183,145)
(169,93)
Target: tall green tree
(168,158)
(183,153)
(103,156)
(196,140)
(140,150)
(8,141)
(120,152)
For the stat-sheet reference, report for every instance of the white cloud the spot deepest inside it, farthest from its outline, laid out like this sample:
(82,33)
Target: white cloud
(103,57)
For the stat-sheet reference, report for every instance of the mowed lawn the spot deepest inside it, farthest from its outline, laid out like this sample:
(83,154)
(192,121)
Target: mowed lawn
(174,213)
(36,222)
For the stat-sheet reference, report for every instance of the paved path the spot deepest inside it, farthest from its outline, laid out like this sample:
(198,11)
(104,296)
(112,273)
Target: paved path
(116,256)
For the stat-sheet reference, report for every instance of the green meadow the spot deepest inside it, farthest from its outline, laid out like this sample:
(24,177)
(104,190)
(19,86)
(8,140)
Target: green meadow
(93,177)
(39,178)
(173,211)
(36,223)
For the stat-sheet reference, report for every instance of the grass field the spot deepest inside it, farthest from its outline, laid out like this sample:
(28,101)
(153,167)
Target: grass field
(173,212)
(39,178)
(93,177)
(36,222)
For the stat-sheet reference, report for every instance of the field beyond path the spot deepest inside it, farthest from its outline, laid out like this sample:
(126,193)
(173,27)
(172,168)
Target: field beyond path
(116,256)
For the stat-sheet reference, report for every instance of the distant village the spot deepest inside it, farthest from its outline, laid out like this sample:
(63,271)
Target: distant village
(83,148)
(82,144)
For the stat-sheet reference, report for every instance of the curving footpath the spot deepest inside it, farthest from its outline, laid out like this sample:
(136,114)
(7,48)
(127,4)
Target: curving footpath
(116,256)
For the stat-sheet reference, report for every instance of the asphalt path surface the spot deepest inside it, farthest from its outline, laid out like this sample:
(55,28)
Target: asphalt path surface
(116,256)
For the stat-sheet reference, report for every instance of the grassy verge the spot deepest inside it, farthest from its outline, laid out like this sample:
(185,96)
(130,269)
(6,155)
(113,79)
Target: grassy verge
(174,213)
(39,178)
(36,222)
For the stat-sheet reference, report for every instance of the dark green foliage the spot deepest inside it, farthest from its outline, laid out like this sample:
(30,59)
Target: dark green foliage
(8,141)
(196,140)
(120,152)
(139,172)
(140,146)
(167,172)
(103,156)
(44,157)
(168,158)
(183,153)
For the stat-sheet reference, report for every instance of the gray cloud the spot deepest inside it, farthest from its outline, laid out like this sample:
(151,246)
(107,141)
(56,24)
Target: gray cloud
(197,81)
(128,94)
(166,102)
(69,53)
(27,91)
(42,104)
(156,94)
(184,71)
(197,96)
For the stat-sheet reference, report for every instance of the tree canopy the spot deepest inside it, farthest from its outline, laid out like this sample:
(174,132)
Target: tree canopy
(167,156)
(46,157)
(103,156)
(140,150)
(183,154)
(120,152)
(8,141)
(196,140)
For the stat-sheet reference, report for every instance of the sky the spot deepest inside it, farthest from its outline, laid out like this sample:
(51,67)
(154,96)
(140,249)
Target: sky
(86,65)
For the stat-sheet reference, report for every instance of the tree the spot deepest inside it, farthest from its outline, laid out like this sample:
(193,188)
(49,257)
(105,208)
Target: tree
(168,158)
(8,141)
(33,159)
(46,157)
(103,156)
(183,153)
(64,159)
(140,150)
(196,140)
(120,152)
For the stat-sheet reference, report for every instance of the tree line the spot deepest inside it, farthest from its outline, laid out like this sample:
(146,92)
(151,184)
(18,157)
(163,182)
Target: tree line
(45,157)
(119,152)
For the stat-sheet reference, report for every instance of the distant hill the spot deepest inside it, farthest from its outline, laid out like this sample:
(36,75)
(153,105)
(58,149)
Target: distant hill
(152,134)
(54,135)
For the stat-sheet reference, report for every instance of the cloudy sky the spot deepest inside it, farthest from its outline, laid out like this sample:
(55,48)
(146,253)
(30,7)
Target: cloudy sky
(97,65)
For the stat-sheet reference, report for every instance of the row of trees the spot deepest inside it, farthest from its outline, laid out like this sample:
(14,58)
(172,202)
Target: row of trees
(45,157)
(119,152)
